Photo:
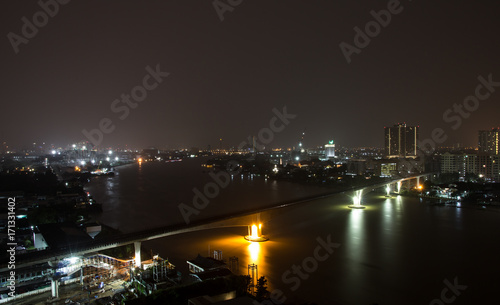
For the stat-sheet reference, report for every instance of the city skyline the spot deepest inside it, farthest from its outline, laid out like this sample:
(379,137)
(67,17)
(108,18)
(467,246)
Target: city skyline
(219,144)
(249,152)
(211,78)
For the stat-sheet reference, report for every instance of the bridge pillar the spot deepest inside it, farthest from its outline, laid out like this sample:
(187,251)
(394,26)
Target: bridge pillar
(255,233)
(388,190)
(137,246)
(357,200)
(418,182)
(54,285)
(399,186)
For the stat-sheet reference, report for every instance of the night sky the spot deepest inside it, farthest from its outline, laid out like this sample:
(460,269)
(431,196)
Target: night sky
(227,76)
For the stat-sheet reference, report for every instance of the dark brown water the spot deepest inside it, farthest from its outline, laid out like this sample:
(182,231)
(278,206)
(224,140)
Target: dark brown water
(396,251)
(148,195)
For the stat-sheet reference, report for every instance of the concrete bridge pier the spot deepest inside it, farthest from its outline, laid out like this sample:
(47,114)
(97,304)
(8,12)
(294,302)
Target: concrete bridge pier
(54,285)
(255,233)
(255,230)
(137,247)
(388,190)
(399,186)
(357,200)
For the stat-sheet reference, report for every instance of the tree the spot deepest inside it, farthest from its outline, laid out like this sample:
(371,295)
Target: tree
(243,285)
(261,288)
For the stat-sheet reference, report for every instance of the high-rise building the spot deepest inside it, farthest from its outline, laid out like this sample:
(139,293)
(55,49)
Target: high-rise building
(401,141)
(483,165)
(330,149)
(488,141)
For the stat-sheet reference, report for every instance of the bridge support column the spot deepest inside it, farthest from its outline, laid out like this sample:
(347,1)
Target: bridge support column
(357,200)
(137,246)
(388,190)
(418,182)
(399,186)
(255,233)
(54,285)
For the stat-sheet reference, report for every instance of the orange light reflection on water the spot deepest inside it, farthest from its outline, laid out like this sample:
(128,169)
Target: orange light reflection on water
(254,250)
(247,252)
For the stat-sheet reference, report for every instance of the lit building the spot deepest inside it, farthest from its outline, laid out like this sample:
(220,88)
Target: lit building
(401,141)
(388,169)
(488,141)
(330,149)
(483,165)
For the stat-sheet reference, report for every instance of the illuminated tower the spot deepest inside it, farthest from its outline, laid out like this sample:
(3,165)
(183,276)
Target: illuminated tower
(401,141)
(330,149)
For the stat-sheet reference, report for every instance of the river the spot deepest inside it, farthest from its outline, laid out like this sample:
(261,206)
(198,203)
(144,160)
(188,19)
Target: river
(398,250)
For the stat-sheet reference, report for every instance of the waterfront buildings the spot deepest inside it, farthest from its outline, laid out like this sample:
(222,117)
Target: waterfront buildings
(482,165)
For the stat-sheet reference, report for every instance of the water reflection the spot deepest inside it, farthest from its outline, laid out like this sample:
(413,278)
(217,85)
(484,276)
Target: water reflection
(254,250)
(387,212)
(110,187)
(399,205)
(390,217)
(355,234)
(380,248)
(458,216)
(247,252)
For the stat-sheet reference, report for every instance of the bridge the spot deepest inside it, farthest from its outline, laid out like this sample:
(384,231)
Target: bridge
(358,192)
(249,218)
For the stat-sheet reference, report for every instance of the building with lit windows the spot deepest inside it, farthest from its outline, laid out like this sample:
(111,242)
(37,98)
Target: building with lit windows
(488,141)
(483,165)
(401,141)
